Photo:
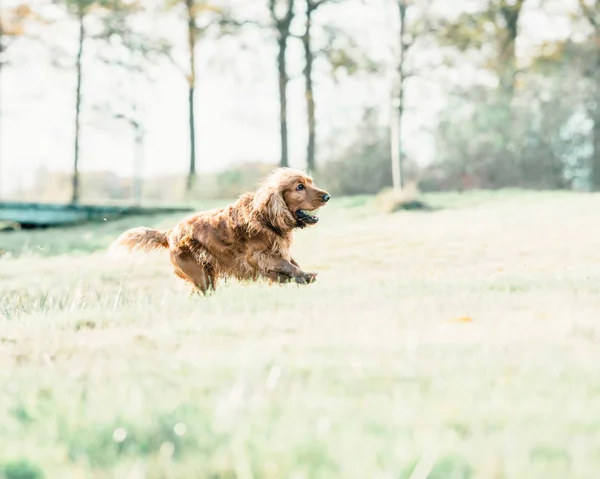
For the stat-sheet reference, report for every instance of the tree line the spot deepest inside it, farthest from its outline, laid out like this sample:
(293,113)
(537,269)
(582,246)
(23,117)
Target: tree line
(526,114)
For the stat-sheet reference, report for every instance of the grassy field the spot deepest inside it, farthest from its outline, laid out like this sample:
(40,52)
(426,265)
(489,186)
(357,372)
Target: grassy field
(461,343)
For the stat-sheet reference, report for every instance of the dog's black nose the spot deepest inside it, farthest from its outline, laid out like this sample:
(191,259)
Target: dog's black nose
(326,197)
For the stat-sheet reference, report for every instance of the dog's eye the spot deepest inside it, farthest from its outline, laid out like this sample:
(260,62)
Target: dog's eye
(300,187)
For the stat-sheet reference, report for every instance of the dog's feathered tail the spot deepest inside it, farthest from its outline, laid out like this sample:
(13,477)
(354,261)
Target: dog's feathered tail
(142,239)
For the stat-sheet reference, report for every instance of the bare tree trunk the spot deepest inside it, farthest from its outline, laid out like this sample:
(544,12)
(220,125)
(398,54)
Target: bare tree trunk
(308,85)
(594,114)
(192,28)
(75,182)
(595,157)
(191,179)
(510,11)
(283,81)
(513,164)
(591,12)
(398,103)
(282,26)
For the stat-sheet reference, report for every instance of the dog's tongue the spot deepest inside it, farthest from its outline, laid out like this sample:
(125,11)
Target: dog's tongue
(303,215)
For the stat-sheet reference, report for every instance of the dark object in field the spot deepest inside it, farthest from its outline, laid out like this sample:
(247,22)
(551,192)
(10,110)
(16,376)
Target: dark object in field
(409,199)
(9,226)
(250,238)
(412,205)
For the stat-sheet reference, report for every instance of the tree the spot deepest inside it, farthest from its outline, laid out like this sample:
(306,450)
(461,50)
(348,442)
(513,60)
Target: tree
(309,59)
(490,33)
(398,99)
(311,7)
(509,12)
(533,133)
(282,23)
(81,10)
(192,35)
(407,35)
(591,12)
(130,51)
(496,24)
(199,16)
(340,51)
(139,134)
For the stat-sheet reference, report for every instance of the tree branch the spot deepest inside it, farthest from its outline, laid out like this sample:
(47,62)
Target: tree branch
(176,64)
(589,14)
(227,22)
(289,15)
(272,12)
(314,5)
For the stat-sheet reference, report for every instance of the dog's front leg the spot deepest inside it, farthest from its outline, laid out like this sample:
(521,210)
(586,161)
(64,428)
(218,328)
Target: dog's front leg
(312,276)
(275,267)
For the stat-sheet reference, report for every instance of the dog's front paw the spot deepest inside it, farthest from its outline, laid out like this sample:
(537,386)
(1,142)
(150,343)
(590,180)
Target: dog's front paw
(312,277)
(306,278)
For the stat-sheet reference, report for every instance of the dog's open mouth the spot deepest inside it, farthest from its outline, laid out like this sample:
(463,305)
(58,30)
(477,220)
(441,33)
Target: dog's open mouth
(305,217)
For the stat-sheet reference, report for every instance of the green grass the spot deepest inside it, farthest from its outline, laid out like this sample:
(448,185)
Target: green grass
(462,343)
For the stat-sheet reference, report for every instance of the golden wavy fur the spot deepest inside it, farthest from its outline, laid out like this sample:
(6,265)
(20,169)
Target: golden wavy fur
(248,239)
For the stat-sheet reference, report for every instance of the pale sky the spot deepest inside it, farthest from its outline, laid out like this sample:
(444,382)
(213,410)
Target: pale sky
(237,109)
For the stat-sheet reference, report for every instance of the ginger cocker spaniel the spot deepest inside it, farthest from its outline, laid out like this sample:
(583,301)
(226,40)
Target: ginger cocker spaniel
(248,239)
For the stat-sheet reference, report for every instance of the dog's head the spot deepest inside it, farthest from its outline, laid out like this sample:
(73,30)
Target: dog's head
(287,198)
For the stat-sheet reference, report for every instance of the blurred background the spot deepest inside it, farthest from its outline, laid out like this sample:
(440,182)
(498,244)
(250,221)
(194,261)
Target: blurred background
(166,100)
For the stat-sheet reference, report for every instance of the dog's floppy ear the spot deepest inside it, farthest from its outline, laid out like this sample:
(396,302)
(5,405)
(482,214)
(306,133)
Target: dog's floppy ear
(270,208)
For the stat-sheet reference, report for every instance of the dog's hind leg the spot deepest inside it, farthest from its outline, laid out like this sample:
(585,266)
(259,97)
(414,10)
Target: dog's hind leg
(200,276)
(194,291)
